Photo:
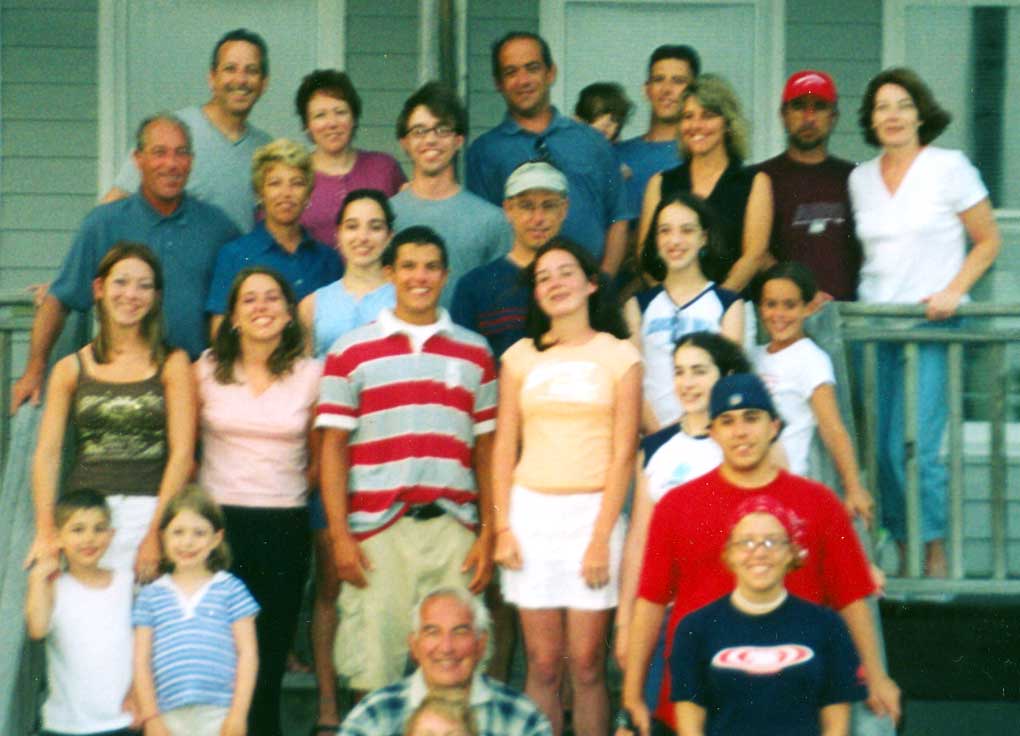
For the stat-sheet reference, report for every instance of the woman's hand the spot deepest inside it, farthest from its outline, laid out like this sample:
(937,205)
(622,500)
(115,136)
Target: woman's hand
(860,503)
(45,545)
(508,550)
(595,564)
(147,559)
(942,304)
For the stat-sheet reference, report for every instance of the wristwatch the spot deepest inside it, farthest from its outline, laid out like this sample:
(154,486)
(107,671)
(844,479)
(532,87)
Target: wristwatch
(623,720)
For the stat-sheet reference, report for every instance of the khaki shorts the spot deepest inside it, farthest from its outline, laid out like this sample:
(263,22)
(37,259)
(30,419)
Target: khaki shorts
(409,559)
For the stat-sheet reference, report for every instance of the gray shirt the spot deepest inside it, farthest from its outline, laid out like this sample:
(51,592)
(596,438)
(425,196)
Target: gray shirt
(475,232)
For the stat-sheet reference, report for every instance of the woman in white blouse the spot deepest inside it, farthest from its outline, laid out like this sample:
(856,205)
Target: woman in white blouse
(916,206)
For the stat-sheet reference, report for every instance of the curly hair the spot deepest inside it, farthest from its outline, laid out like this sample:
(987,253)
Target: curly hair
(727,355)
(332,83)
(281,151)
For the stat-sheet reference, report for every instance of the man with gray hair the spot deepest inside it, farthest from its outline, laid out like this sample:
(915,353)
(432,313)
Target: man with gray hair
(183,232)
(448,640)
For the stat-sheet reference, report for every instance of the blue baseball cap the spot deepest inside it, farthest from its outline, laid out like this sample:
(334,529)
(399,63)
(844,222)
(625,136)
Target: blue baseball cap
(740,391)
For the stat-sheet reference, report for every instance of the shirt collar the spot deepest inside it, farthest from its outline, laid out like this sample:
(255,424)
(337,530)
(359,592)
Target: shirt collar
(265,241)
(390,325)
(512,127)
(153,215)
(417,690)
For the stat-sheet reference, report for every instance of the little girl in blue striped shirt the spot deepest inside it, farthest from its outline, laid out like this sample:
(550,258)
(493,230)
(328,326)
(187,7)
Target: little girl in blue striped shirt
(195,650)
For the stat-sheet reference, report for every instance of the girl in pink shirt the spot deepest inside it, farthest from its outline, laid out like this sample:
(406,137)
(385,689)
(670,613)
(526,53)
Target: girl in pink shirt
(257,394)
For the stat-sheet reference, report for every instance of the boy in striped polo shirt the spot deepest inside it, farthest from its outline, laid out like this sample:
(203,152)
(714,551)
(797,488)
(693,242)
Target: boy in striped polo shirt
(408,405)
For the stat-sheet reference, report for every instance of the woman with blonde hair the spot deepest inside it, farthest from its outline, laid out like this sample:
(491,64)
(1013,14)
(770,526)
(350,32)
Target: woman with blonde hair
(713,136)
(282,177)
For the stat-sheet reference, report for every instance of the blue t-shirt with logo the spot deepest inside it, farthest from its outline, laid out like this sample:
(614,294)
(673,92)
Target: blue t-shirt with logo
(768,675)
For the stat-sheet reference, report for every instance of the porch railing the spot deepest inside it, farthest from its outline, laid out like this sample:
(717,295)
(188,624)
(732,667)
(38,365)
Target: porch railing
(980,377)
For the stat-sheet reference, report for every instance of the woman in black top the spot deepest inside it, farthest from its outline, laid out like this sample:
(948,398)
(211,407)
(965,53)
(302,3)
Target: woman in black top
(713,136)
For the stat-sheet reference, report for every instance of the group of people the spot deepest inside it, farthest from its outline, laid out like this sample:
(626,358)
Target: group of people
(414,382)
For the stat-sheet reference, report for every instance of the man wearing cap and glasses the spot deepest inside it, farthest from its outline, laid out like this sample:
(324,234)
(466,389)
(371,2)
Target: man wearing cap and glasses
(492,300)
(533,129)
(682,563)
(812,222)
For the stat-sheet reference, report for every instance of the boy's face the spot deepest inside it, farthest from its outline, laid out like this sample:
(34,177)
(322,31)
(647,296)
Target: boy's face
(85,536)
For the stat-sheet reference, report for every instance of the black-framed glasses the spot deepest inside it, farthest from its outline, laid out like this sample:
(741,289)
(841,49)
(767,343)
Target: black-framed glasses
(419,132)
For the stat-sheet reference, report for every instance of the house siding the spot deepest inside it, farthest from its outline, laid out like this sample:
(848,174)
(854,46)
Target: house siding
(48,132)
(845,40)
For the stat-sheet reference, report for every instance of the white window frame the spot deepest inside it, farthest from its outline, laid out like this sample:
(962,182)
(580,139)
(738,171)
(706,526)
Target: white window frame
(894,53)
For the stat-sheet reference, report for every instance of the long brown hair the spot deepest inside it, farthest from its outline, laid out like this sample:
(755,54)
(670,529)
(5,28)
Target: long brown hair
(226,347)
(152,323)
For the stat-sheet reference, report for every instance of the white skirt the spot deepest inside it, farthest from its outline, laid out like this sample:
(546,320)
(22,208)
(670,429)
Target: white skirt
(553,531)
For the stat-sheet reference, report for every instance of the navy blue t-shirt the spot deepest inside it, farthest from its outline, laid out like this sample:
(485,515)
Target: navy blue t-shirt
(769,675)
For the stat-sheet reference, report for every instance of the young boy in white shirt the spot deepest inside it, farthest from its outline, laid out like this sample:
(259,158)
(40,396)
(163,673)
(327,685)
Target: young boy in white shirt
(84,613)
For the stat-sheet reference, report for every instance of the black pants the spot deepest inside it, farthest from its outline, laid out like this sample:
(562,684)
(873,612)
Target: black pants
(271,550)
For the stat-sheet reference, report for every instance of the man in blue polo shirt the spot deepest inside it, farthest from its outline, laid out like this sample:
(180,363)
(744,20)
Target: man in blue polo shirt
(670,69)
(534,130)
(183,232)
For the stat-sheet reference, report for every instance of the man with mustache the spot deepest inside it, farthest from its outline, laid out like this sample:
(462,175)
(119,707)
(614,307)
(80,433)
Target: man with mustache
(223,140)
(812,221)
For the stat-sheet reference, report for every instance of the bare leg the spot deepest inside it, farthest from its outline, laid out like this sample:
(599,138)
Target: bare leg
(586,656)
(935,565)
(324,625)
(545,644)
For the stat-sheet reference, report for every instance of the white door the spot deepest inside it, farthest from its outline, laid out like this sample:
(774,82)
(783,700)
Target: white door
(742,40)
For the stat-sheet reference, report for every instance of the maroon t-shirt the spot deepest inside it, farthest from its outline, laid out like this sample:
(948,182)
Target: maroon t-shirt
(813,222)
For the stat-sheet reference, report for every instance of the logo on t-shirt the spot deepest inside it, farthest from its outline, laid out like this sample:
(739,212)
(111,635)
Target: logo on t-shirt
(762,660)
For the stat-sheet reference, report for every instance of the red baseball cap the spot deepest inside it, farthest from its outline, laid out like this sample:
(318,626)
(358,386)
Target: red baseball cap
(810,82)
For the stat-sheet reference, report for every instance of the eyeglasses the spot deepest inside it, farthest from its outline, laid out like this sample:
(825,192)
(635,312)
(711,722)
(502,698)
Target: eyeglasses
(749,545)
(419,132)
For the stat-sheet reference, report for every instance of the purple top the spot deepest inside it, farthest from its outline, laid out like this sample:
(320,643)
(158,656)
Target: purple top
(372,170)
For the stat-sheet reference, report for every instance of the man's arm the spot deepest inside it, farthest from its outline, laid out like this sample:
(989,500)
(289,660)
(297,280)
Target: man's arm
(351,561)
(114,194)
(479,557)
(46,327)
(883,693)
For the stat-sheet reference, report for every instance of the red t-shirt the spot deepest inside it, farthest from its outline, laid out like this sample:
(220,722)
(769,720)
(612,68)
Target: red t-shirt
(683,558)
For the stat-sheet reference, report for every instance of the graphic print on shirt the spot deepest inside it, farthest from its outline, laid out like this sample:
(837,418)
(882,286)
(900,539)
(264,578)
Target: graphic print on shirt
(762,660)
(569,381)
(816,216)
